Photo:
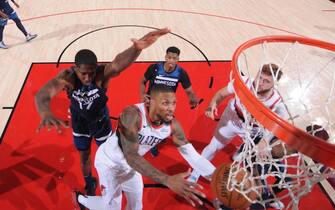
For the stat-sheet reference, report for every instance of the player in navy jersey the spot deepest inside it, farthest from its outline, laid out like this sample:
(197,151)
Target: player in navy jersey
(86,84)
(7,12)
(120,163)
(168,73)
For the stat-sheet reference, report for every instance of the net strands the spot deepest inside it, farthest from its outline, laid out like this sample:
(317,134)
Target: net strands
(274,159)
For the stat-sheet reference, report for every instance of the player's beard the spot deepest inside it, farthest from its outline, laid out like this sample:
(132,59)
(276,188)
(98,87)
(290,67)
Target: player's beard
(264,92)
(163,119)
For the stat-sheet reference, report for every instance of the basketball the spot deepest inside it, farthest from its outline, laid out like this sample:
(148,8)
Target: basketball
(231,199)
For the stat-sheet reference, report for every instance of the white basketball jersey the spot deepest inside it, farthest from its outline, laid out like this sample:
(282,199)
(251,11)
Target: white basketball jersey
(110,153)
(150,135)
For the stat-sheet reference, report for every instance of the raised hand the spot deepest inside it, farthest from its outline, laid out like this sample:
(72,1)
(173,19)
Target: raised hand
(149,38)
(48,120)
(211,112)
(182,187)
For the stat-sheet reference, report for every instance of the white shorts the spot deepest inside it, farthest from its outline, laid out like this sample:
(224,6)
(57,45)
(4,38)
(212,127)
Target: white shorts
(116,176)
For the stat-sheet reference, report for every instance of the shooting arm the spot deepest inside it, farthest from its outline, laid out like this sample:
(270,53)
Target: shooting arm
(188,152)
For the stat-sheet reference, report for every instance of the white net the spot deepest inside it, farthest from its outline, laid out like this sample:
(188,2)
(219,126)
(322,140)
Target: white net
(281,175)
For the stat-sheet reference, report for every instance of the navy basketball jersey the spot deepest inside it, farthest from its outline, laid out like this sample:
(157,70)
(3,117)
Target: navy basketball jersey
(88,101)
(170,79)
(5,7)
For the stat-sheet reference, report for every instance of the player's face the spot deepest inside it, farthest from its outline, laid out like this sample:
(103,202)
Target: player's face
(86,73)
(171,60)
(163,105)
(265,83)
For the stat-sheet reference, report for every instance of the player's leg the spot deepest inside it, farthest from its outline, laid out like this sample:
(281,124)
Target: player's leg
(3,23)
(82,141)
(111,192)
(83,145)
(86,168)
(133,189)
(18,23)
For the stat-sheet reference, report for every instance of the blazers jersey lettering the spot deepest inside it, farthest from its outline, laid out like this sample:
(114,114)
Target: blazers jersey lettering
(149,135)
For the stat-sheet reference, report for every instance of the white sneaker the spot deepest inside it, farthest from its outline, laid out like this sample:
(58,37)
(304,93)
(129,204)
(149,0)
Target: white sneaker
(277,204)
(3,45)
(193,177)
(30,37)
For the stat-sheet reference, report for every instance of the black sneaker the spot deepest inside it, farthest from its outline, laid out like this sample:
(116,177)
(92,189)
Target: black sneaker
(76,194)
(90,189)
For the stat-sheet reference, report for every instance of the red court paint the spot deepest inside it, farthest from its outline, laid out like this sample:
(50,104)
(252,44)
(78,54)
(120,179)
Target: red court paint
(40,170)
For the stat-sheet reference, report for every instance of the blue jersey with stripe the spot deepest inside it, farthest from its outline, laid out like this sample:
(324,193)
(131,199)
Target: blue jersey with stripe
(5,7)
(170,79)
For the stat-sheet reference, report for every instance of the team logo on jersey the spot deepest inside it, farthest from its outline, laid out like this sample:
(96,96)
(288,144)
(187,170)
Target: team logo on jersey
(85,99)
(148,140)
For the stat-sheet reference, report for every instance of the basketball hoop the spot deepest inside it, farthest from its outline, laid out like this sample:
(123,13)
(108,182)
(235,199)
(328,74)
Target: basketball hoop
(307,89)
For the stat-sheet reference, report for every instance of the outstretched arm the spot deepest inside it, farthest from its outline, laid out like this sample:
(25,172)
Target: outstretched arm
(129,127)
(199,163)
(43,98)
(124,59)
(216,100)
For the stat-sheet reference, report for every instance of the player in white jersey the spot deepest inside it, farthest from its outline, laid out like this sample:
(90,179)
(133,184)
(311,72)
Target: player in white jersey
(231,120)
(119,160)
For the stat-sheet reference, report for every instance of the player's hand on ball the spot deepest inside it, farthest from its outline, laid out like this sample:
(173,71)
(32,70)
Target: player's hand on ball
(182,187)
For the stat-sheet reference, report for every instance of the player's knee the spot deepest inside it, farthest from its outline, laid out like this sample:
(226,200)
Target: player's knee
(218,144)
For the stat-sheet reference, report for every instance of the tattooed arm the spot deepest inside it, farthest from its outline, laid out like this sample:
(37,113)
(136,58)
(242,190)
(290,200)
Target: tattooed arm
(43,98)
(129,126)
(127,57)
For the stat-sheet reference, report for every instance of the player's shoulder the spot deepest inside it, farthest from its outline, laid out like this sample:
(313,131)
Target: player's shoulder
(181,69)
(67,74)
(131,110)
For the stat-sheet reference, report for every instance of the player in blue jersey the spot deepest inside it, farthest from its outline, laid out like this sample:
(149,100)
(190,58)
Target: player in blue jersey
(7,12)
(86,84)
(168,73)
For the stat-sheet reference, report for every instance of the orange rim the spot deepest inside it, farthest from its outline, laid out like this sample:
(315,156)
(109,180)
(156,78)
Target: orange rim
(317,149)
